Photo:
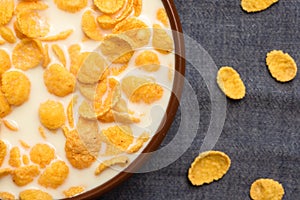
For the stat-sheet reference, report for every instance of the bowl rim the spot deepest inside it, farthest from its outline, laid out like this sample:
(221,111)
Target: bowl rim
(171,111)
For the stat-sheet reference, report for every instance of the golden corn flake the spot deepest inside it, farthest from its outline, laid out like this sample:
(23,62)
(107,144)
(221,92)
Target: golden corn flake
(60,54)
(5,62)
(119,136)
(92,69)
(87,111)
(7,196)
(18,32)
(24,175)
(34,194)
(24,144)
(255,5)
(31,24)
(137,5)
(71,5)
(60,36)
(42,132)
(42,154)
(281,66)
(121,160)
(52,114)
(3,149)
(130,84)
(139,143)
(15,87)
(58,80)
(76,151)
(90,26)
(11,125)
(148,60)
(25,159)
(162,16)
(7,34)
(161,40)
(5,108)
(70,113)
(6,11)
(231,83)
(114,71)
(208,167)
(5,172)
(46,58)
(27,54)
(266,189)
(76,63)
(135,29)
(73,191)
(15,157)
(87,90)
(107,96)
(54,175)
(148,93)
(30,5)
(109,6)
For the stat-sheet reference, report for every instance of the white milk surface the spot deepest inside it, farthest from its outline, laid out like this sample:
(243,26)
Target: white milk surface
(26,116)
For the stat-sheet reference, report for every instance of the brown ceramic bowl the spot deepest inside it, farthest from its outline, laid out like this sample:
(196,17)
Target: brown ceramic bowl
(170,113)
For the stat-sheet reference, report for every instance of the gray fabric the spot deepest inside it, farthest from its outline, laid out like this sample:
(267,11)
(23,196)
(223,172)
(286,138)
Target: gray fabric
(261,133)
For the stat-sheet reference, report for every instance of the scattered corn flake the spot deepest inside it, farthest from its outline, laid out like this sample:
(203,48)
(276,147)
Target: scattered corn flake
(5,62)
(76,152)
(52,114)
(91,69)
(6,11)
(11,125)
(144,137)
(135,29)
(109,148)
(70,113)
(78,62)
(25,159)
(87,111)
(33,194)
(120,160)
(59,52)
(109,6)
(31,24)
(5,108)
(90,27)
(27,54)
(231,83)
(42,132)
(30,5)
(71,5)
(209,166)
(15,87)
(73,191)
(42,154)
(148,93)
(46,58)
(256,6)
(119,136)
(60,36)
(7,34)
(162,16)
(7,196)
(24,175)
(148,60)
(130,84)
(281,66)
(3,151)
(161,40)
(138,6)
(88,133)
(108,94)
(266,189)
(15,157)
(54,175)
(87,90)
(5,172)
(18,32)
(58,80)
(24,144)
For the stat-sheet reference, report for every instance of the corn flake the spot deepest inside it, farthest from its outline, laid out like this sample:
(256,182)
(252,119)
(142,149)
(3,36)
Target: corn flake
(24,175)
(71,5)
(7,196)
(6,11)
(148,60)
(15,87)
(15,157)
(5,62)
(31,24)
(60,54)
(18,32)
(256,6)
(161,40)
(208,167)
(162,16)
(46,58)
(281,66)
(121,160)
(24,144)
(11,125)
(60,36)
(265,189)
(54,175)
(5,172)
(34,194)
(25,159)
(130,84)
(86,111)
(3,149)
(108,6)
(90,26)
(137,5)
(87,90)
(42,154)
(51,114)
(59,81)
(7,34)
(70,113)
(27,54)
(231,83)
(73,191)
(5,108)
(32,5)
(42,132)
(139,143)
(76,63)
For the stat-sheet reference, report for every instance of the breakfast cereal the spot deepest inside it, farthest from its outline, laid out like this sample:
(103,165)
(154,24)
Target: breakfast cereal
(30,5)
(7,34)
(148,60)
(162,16)
(119,136)
(25,159)
(108,6)
(71,5)
(15,157)
(6,11)
(3,151)
(7,196)
(24,144)
(25,175)
(121,160)
(255,5)
(265,188)
(5,62)
(42,154)
(5,108)
(10,125)
(161,40)
(138,6)
(90,27)
(144,137)
(60,36)
(46,58)
(73,191)
(86,111)
(58,51)
(5,172)
(34,194)
(87,90)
